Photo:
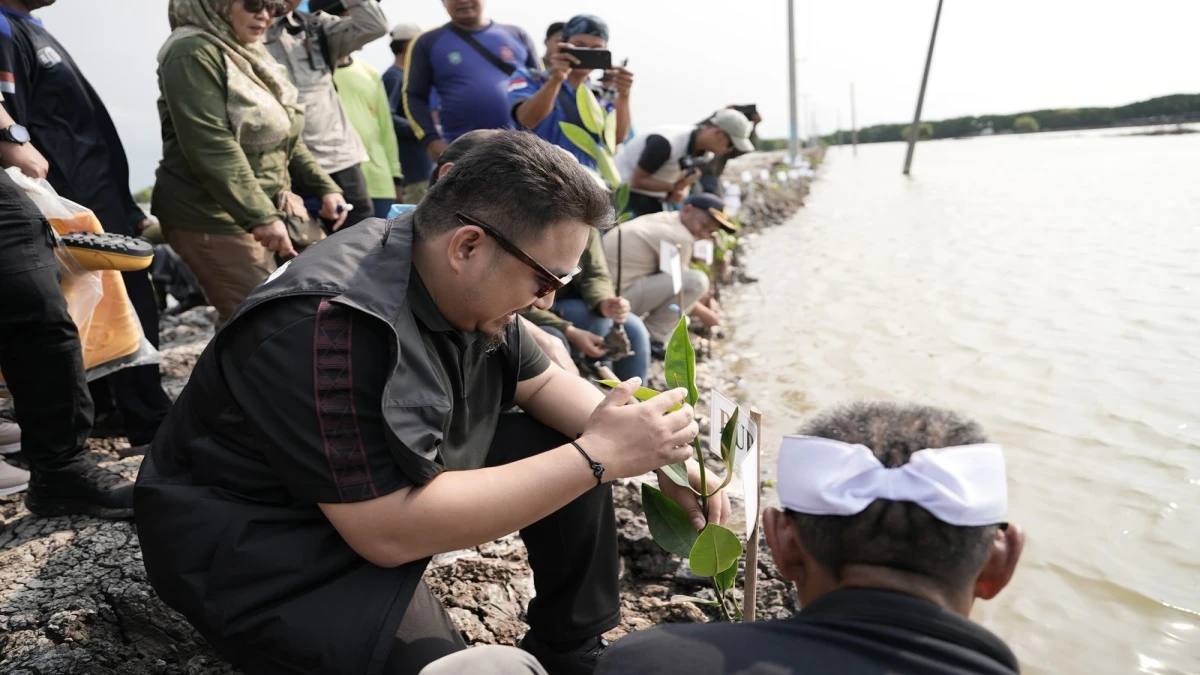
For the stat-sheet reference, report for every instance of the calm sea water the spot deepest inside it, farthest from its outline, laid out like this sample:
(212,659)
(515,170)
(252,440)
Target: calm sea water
(1048,286)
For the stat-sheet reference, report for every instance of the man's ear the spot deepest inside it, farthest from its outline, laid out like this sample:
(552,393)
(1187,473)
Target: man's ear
(444,168)
(462,246)
(1001,563)
(785,545)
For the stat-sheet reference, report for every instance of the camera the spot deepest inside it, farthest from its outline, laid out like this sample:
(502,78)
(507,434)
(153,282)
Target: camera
(689,163)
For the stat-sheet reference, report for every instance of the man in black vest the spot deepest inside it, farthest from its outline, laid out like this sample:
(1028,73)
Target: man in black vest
(345,425)
(893,525)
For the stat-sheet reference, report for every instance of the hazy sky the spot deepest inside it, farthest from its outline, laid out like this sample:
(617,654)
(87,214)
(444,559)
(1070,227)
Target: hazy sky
(691,57)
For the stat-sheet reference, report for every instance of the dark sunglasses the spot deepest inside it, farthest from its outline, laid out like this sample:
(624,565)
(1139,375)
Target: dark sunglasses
(275,8)
(548,281)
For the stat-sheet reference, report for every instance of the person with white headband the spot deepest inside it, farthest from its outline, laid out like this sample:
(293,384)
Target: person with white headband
(893,524)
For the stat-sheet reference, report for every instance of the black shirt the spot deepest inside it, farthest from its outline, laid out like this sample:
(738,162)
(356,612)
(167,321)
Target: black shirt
(284,410)
(846,632)
(45,91)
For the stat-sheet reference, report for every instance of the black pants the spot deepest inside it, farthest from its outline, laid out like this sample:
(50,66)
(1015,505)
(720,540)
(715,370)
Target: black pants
(138,391)
(573,554)
(40,353)
(640,205)
(354,189)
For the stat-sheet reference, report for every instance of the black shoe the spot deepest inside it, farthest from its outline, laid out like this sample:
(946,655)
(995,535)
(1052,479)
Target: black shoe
(658,351)
(89,491)
(581,660)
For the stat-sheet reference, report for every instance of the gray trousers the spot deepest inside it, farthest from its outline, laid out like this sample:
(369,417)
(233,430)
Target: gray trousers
(651,297)
(486,660)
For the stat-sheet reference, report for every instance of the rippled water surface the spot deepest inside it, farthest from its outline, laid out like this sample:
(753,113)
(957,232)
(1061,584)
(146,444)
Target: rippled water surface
(1049,286)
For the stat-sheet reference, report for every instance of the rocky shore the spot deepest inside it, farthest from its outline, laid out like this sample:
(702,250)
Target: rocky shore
(74,596)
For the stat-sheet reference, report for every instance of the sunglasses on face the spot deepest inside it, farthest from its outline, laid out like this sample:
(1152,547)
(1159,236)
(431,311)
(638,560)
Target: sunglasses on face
(275,8)
(547,281)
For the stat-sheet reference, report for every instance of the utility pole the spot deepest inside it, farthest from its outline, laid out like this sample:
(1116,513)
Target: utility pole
(792,132)
(915,130)
(853,122)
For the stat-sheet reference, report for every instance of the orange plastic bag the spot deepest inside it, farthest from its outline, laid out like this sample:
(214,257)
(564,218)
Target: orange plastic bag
(109,329)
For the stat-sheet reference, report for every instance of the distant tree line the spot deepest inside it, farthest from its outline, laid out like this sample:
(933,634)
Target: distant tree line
(1172,109)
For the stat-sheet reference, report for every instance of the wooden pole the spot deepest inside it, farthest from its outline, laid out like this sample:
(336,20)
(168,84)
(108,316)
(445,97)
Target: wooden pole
(915,130)
(750,600)
(853,122)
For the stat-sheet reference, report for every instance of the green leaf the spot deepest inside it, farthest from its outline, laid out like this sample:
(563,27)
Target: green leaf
(642,393)
(681,362)
(692,598)
(610,133)
(590,112)
(624,217)
(621,198)
(678,474)
(725,579)
(581,138)
(607,167)
(728,436)
(716,549)
(669,524)
(701,266)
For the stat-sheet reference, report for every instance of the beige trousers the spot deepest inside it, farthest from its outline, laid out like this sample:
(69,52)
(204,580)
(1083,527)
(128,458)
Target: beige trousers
(651,298)
(228,266)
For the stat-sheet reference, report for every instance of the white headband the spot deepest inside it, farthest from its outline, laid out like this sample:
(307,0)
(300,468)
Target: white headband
(963,485)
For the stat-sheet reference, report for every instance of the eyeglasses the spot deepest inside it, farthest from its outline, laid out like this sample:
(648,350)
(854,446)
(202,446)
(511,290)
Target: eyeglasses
(549,282)
(275,8)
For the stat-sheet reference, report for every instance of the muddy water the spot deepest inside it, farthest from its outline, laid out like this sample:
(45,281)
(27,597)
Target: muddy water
(1049,286)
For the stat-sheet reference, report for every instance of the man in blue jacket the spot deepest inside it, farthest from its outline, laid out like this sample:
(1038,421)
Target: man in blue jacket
(468,61)
(539,102)
(414,163)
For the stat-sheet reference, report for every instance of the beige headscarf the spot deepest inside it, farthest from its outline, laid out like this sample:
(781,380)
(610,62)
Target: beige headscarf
(261,99)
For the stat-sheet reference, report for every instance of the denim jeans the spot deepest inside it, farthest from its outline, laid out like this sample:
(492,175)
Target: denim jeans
(577,312)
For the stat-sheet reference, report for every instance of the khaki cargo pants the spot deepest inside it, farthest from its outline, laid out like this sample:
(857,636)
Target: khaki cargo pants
(227,266)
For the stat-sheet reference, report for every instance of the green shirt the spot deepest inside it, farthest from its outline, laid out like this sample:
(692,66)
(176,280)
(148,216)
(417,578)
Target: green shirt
(206,181)
(366,102)
(594,285)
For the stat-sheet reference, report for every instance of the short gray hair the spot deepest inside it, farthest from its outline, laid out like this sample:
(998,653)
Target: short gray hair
(899,535)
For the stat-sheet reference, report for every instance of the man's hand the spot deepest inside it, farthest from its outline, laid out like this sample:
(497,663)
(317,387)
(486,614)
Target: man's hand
(435,148)
(718,504)
(622,79)
(561,63)
(586,341)
(274,238)
(399,193)
(25,157)
(329,209)
(630,440)
(682,186)
(616,309)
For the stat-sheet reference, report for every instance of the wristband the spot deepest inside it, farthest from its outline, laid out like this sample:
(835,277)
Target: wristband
(597,467)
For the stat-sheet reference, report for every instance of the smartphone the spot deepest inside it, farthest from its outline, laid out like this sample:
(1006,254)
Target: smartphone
(748,110)
(592,59)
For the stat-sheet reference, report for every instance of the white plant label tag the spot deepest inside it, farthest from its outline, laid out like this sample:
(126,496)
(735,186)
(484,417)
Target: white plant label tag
(669,262)
(745,455)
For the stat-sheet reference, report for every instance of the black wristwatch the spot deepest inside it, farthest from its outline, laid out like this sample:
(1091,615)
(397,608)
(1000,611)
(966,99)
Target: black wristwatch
(15,134)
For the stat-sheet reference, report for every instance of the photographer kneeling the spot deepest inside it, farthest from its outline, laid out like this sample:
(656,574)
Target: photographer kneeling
(344,426)
(661,165)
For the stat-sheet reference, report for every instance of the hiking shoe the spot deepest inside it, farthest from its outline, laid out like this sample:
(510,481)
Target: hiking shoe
(12,479)
(658,351)
(90,491)
(581,660)
(10,437)
(133,451)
